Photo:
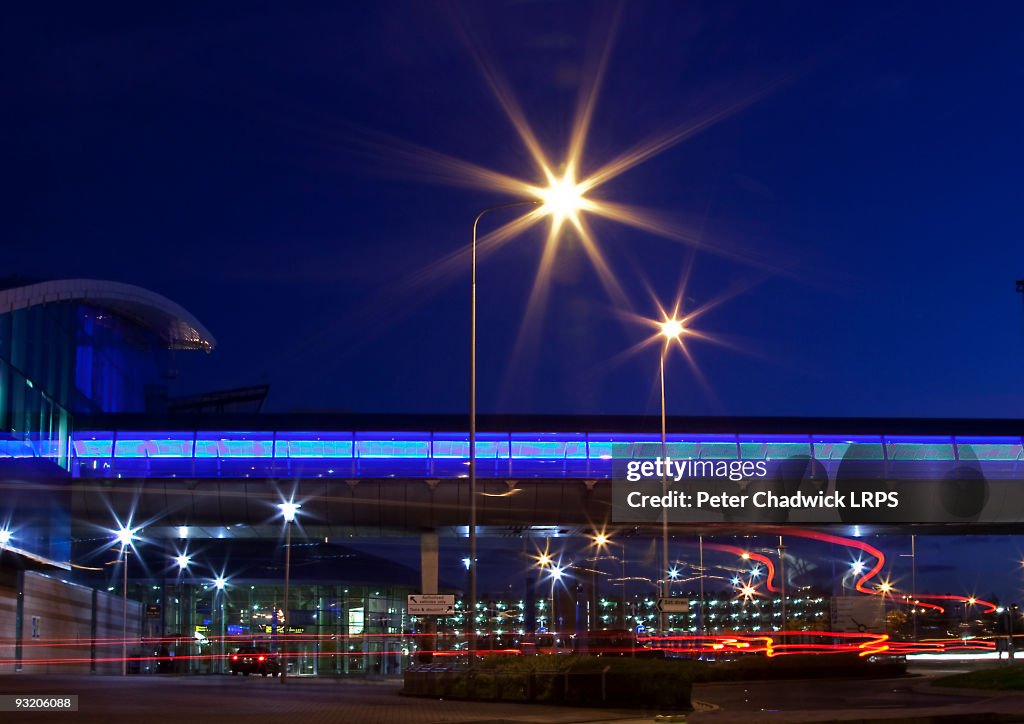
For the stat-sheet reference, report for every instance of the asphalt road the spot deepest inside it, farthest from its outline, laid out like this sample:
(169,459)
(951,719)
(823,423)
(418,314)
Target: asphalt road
(255,700)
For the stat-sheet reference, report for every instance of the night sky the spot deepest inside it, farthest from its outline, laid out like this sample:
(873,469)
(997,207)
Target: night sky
(861,219)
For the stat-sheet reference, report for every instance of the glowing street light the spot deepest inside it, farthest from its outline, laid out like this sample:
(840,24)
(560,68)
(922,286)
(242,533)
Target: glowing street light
(556,573)
(601,540)
(183,560)
(125,536)
(220,583)
(671,329)
(544,560)
(5,536)
(885,587)
(857,567)
(288,510)
(560,199)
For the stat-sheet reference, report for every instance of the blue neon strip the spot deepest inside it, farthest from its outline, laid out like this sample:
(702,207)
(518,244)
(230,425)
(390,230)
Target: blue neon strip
(522,446)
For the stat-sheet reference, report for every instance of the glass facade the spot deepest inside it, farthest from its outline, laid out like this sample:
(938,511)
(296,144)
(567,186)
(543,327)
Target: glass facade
(36,382)
(67,358)
(330,629)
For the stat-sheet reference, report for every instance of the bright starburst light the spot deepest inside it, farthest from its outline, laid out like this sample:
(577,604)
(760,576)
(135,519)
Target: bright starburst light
(569,185)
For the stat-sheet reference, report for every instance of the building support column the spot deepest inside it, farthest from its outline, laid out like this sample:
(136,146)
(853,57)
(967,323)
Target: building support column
(429,555)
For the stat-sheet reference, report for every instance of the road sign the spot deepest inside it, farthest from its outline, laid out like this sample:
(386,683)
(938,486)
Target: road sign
(431,604)
(673,605)
(858,614)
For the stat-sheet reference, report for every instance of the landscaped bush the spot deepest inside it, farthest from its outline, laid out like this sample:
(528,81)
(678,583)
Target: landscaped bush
(578,680)
(626,682)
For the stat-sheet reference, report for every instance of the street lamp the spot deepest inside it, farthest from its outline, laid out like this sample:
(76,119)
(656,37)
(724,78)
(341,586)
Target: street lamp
(561,199)
(183,560)
(288,511)
(5,537)
(219,584)
(125,536)
(602,540)
(556,576)
(670,329)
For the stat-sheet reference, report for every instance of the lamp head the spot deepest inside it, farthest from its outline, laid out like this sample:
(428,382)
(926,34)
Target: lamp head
(125,536)
(671,329)
(288,510)
(562,198)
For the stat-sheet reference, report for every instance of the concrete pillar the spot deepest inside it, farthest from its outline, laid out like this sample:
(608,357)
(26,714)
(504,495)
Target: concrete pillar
(428,562)
(429,554)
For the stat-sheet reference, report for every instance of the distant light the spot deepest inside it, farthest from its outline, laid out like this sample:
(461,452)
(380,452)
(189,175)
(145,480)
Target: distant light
(556,572)
(747,591)
(735,580)
(5,536)
(183,560)
(972,600)
(544,560)
(288,510)
(857,566)
(673,573)
(600,540)
(756,571)
(884,586)
(125,536)
(745,556)
(219,582)
(467,563)
(183,531)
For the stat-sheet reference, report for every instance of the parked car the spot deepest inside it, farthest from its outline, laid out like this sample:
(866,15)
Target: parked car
(255,660)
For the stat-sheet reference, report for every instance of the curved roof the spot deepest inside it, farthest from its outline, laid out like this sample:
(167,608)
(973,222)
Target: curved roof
(178,328)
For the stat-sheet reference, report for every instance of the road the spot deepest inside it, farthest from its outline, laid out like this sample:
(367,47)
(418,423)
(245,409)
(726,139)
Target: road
(254,700)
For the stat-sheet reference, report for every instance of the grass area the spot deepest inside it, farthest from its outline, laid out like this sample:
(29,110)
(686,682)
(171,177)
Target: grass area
(1003,678)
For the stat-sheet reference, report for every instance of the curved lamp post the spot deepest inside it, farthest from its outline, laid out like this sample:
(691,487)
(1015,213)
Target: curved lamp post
(561,199)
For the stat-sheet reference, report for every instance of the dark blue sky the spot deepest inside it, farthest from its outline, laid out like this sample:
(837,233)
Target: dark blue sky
(219,156)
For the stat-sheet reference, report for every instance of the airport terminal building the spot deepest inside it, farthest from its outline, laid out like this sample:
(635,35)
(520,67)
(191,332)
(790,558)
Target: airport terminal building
(92,444)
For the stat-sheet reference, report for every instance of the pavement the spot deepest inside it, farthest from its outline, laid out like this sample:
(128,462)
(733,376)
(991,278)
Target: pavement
(255,700)
(911,699)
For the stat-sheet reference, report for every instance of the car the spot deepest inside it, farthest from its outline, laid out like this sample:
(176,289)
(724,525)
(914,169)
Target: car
(255,660)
